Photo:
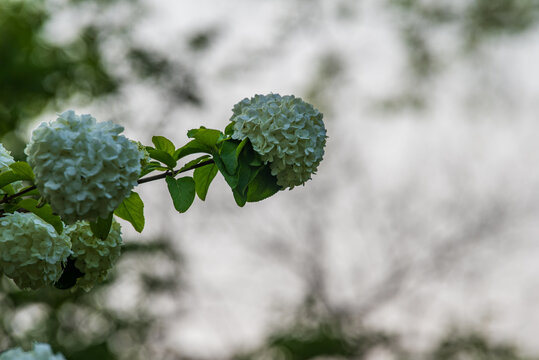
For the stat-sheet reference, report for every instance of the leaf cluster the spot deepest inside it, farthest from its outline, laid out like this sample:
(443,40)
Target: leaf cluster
(248,177)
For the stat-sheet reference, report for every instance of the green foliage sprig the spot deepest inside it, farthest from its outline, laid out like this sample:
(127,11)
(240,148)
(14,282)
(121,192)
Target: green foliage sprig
(288,128)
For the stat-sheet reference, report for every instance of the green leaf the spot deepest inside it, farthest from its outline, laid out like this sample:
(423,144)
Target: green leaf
(240,197)
(23,169)
(8,177)
(262,186)
(229,130)
(232,180)
(101,227)
(164,144)
(8,189)
(162,156)
(208,137)
(194,162)
(203,177)
(192,147)
(244,177)
(229,155)
(241,146)
(182,192)
(132,210)
(44,212)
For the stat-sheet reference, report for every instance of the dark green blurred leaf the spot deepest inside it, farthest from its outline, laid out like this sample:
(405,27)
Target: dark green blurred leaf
(36,72)
(23,169)
(8,177)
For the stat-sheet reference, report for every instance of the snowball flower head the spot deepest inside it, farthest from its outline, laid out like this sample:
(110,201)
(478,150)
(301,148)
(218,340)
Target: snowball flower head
(39,352)
(31,251)
(5,160)
(287,132)
(93,256)
(83,168)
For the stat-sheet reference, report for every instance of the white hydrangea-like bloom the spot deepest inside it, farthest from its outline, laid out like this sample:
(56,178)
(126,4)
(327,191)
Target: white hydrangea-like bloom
(40,352)
(93,256)
(83,168)
(5,160)
(31,251)
(287,132)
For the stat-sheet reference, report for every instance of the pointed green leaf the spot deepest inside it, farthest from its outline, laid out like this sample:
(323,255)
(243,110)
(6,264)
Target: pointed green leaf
(8,189)
(8,177)
(241,146)
(23,169)
(44,212)
(230,179)
(208,137)
(244,177)
(101,227)
(203,177)
(182,192)
(164,144)
(240,197)
(262,186)
(229,155)
(162,156)
(229,130)
(192,147)
(132,210)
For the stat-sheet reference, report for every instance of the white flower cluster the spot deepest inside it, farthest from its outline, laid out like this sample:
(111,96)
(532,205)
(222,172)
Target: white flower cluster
(84,169)
(33,254)
(5,160)
(31,251)
(40,352)
(287,132)
(93,256)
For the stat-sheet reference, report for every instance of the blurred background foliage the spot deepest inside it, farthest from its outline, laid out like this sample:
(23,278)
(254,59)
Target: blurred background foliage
(103,323)
(38,74)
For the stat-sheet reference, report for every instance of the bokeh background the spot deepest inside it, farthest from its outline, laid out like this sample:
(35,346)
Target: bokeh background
(418,237)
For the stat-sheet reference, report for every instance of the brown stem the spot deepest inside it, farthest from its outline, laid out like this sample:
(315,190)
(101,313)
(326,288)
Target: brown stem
(175,172)
(7,198)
